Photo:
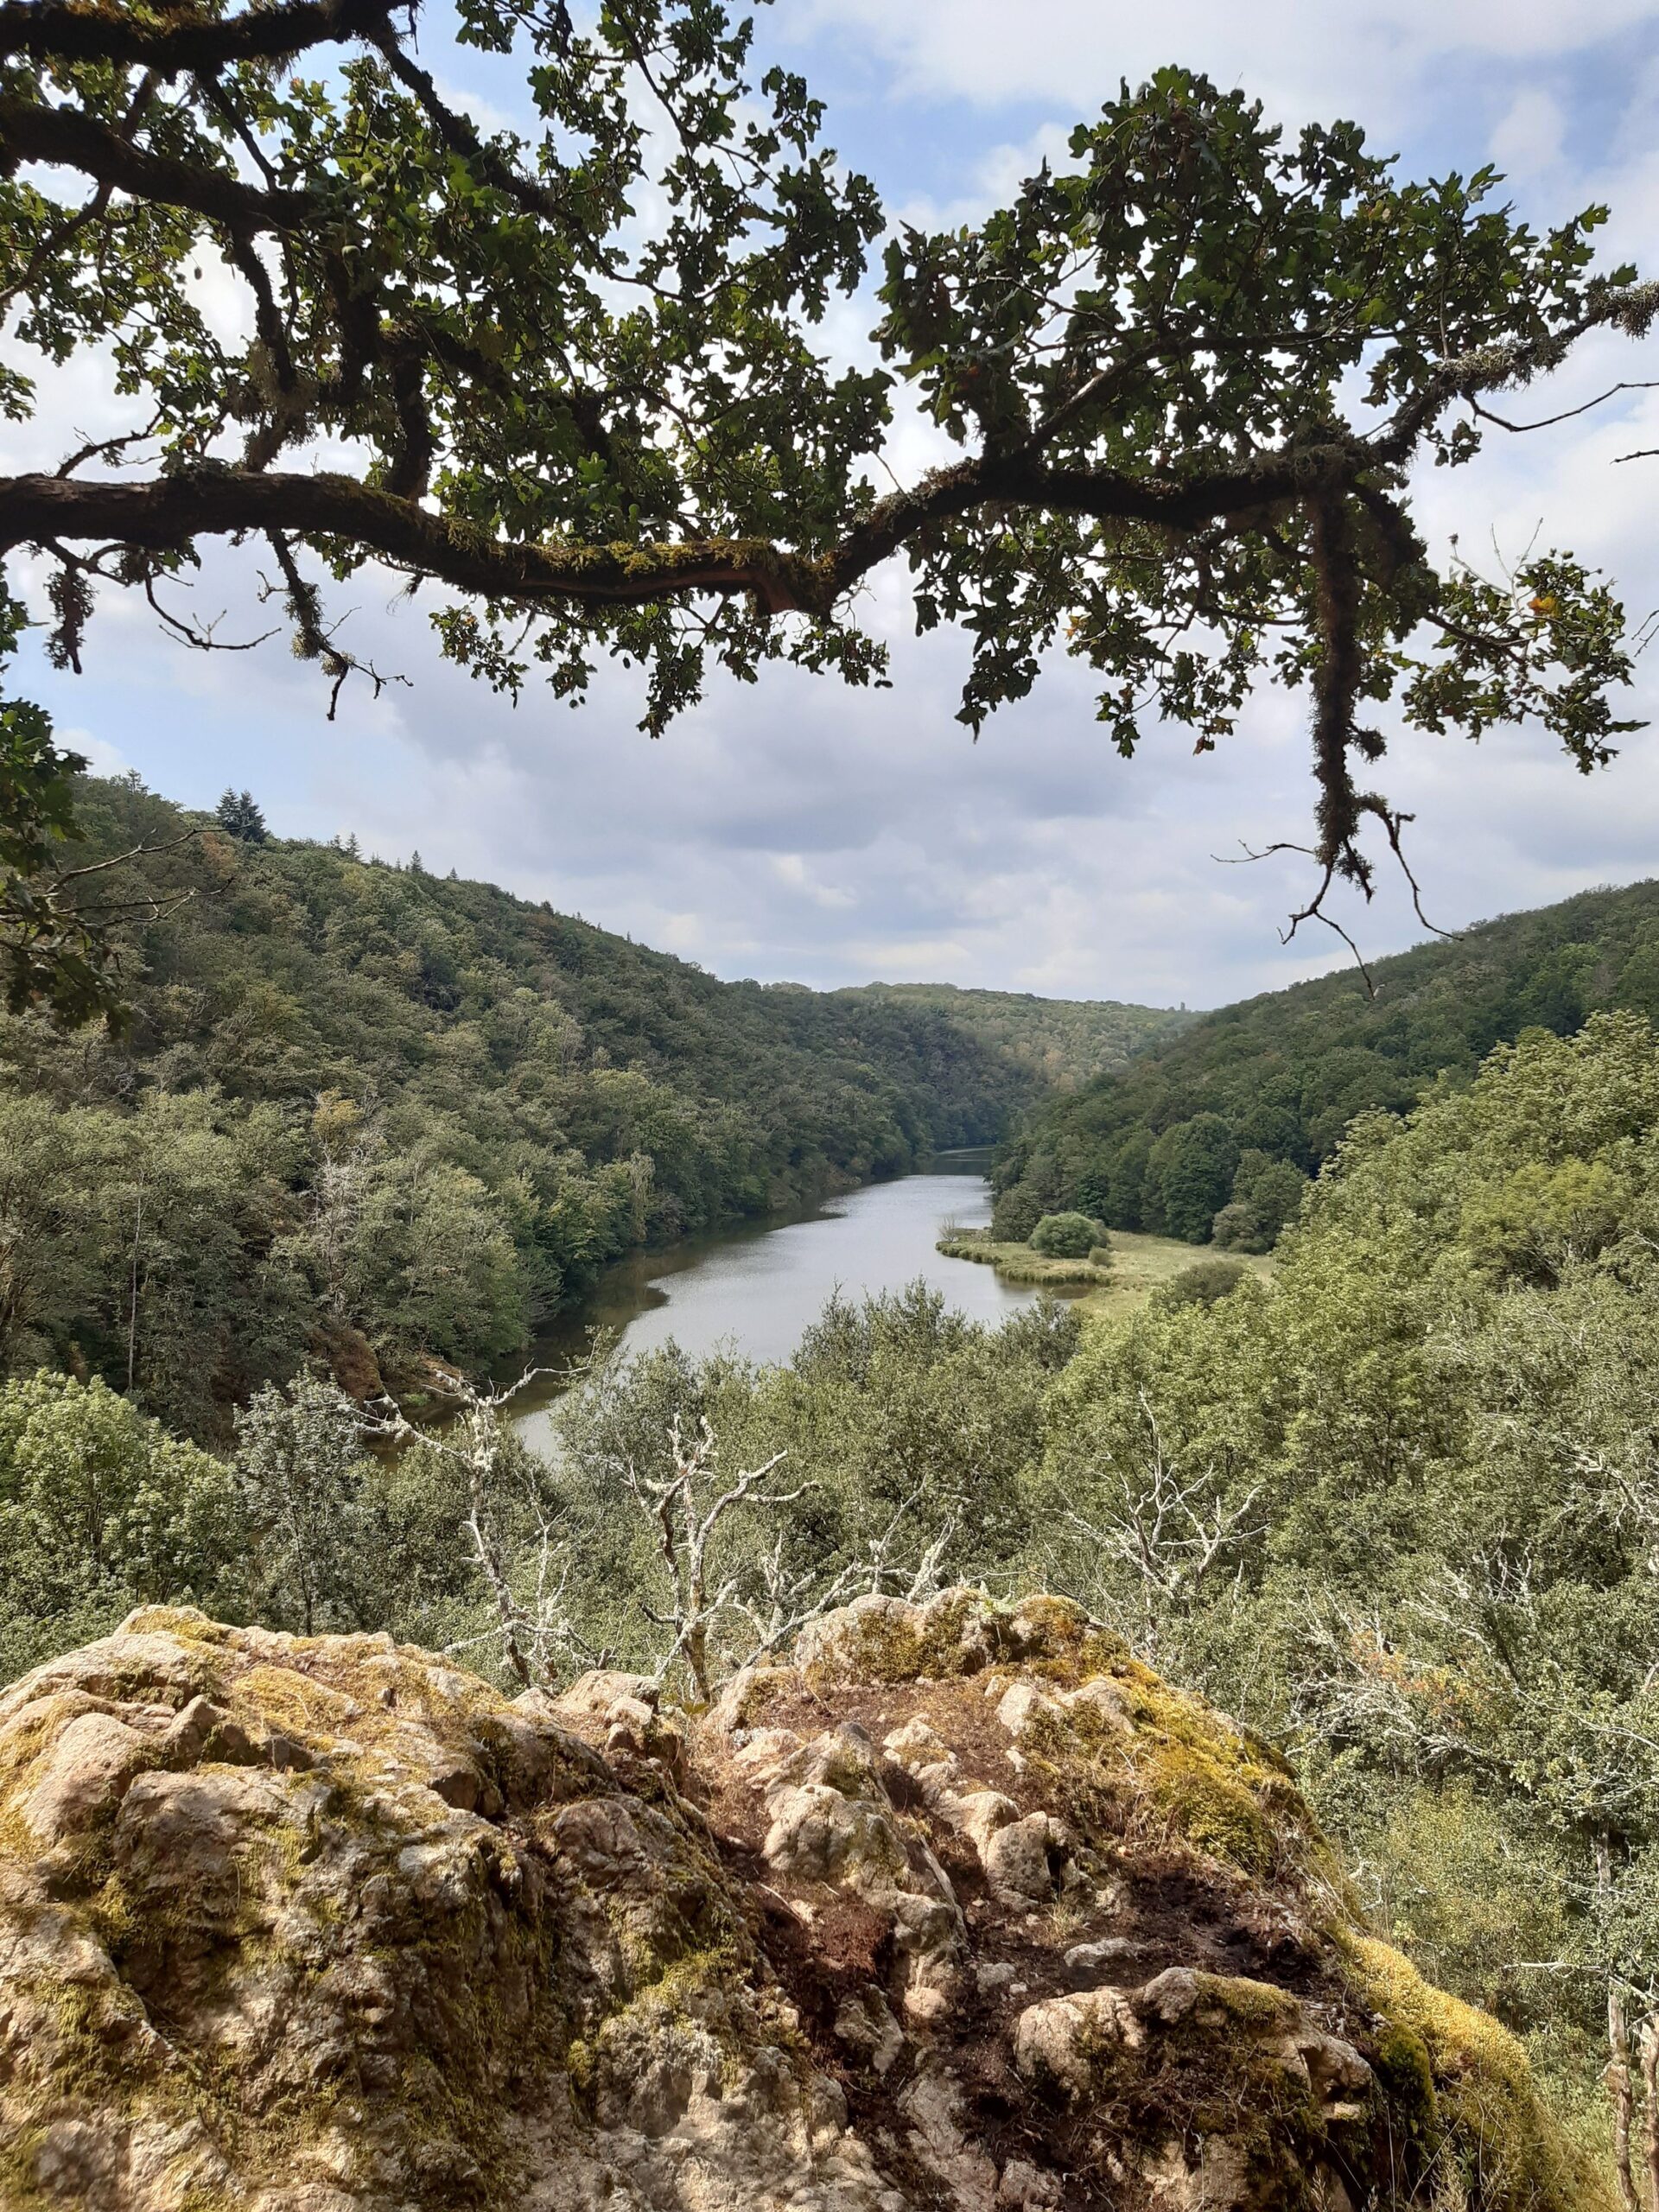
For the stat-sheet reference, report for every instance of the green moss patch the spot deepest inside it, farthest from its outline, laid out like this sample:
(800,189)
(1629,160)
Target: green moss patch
(1462,2084)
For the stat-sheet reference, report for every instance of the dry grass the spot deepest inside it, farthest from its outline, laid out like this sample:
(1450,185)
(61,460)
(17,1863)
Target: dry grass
(1143,1264)
(1017,1262)
(1139,1266)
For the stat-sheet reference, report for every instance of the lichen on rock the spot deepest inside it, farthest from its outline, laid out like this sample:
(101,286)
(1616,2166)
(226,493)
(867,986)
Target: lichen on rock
(958,1905)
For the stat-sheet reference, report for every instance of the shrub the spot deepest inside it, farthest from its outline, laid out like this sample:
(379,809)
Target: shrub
(1065,1235)
(1238,1228)
(1202,1285)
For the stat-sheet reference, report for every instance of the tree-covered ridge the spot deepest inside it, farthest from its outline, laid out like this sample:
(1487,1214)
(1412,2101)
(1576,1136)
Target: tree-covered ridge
(1214,1130)
(359,1096)
(1063,1040)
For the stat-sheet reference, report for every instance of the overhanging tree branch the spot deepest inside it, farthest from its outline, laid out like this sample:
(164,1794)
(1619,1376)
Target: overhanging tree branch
(167,512)
(64,137)
(1188,372)
(187,40)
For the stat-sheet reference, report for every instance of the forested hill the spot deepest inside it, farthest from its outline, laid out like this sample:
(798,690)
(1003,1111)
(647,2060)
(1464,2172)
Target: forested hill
(1063,1041)
(359,1097)
(1217,1128)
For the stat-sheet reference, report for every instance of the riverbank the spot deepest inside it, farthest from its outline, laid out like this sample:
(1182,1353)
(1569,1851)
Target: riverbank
(1139,1265)
(1142,1265)
(1019,1263)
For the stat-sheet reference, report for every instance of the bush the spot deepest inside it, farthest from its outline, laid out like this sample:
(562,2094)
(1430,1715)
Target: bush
(1066,1237)
(1238,1228)
(100,1510)
(1202,1285)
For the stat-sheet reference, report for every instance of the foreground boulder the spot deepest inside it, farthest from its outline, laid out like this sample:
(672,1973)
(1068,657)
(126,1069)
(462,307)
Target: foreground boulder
(962,1908)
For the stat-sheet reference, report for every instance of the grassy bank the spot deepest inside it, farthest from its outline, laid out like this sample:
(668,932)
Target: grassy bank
(1139,1266)
(1143,1264)
(1019,1263)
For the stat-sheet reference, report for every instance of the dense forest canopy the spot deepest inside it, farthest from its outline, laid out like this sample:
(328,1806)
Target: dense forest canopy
(1215,1130)
(1063,1040)
(358,1096)
(573,375)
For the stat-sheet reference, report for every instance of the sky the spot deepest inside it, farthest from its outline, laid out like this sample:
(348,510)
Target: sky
(795,829)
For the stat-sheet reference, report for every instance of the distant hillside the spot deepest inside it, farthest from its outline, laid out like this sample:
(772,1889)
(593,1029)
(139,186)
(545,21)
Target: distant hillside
(1062,1041)
(1232,1112)
(361,1104)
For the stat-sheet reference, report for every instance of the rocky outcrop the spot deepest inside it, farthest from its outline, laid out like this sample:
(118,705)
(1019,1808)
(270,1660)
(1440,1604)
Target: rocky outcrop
(961,1908)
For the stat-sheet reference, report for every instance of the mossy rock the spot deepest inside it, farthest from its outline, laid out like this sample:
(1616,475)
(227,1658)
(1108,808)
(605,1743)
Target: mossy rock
(326,1925)
(280,1915)
(1461,2081)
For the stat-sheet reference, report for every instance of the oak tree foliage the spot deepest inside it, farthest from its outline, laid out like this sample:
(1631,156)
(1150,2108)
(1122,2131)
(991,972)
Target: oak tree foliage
(572,379)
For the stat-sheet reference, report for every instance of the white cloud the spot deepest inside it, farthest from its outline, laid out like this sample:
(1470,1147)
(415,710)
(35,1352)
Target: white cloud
(790,869)
(1530,137)
(1301,57)
(100,756)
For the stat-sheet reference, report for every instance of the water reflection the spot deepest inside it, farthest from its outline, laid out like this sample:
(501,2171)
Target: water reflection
(757,1288)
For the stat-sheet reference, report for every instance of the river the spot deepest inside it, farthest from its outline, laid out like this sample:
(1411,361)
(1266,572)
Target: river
(758,1288)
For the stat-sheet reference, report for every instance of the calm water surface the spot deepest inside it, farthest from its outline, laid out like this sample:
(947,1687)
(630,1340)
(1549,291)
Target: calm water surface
(757,1288)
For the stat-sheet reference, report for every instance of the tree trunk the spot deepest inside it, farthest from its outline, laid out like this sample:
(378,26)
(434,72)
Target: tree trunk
(1618,2073)
(506,1606)
(696,1657)
(1618,2078)
(132,1310)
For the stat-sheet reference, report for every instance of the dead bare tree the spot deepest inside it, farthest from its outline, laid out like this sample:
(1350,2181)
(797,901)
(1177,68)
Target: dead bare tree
(350,1144)
(523,1550)
(536,1634)
(685,1519)
(1171,1532)
(772,1599)
(787,1603)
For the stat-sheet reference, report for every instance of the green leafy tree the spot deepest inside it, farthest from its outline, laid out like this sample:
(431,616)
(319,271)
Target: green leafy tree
(1196,361)
(100,1510)
(51,951)
(333,1537)
(53,1260)
(1015,1215)
(140,1244)
(1125,1192)
(1267,1193)
(433,1257)
(1190,1169)
(299,1468)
